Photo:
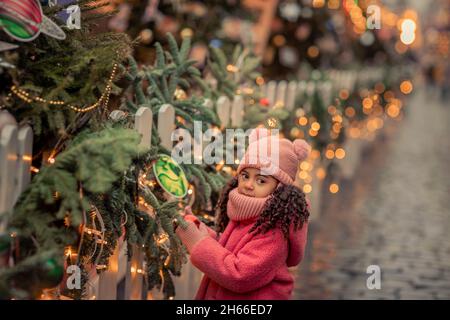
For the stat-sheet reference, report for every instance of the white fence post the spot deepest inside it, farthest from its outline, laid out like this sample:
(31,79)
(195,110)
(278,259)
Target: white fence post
(310,87)
(301,87)
(134,276)
(8,166)
(16,146)
(107,282)
(325,91)
(237,111)
(264,90)
(291,95)
(271,92)
(166,125)
(281,93)
(143,123)
(223,111)
(93,285)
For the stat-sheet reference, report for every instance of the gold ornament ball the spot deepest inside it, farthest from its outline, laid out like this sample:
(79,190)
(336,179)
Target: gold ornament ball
(146,36)
(186,33)
(180,94)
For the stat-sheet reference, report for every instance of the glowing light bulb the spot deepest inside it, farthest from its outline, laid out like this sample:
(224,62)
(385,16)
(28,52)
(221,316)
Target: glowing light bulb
(307,188)
(340,153)
(334,188)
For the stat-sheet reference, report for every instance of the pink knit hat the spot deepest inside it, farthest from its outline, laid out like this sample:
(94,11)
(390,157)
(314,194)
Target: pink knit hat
(274,156)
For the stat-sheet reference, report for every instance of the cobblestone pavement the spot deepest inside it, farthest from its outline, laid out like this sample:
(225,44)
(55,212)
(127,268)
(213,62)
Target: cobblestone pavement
(395,213)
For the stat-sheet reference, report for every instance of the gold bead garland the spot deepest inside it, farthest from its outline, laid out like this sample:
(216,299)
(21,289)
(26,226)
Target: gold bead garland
(25,96)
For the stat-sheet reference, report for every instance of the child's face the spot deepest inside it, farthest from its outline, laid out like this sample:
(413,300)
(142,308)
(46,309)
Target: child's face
(253,184)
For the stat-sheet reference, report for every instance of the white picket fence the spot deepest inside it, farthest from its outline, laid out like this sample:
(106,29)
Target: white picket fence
(15,161)
(124,279)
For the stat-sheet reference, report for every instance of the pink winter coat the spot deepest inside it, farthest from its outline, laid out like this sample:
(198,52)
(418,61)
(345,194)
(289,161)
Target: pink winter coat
(242,265)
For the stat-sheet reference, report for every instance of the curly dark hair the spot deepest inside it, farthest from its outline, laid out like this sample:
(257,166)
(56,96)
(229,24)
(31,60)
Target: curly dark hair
(286,206)
(221,208)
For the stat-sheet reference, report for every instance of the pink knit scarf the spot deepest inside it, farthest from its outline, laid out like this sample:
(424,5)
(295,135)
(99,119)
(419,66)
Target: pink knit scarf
(241,207)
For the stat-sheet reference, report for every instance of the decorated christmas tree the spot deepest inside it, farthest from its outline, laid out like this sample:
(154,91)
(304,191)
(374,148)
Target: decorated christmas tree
(95,183)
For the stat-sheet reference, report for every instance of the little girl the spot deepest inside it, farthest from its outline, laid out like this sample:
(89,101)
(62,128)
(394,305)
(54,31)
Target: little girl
(261,227)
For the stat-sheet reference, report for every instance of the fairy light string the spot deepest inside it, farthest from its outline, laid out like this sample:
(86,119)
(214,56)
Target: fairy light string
(103,100)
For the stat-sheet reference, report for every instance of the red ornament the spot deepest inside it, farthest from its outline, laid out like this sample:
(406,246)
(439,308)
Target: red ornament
(23,20)
(264,102)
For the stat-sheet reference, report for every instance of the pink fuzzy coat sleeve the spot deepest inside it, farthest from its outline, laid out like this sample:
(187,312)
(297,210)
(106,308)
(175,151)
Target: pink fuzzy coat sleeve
(254,266)
(211,232)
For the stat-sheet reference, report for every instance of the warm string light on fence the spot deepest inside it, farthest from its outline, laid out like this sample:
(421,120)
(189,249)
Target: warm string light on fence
(406,87)
(70,254)
(135,270)
(334,188)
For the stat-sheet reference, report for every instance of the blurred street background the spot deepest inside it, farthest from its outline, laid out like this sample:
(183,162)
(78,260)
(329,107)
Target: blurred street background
(394,214)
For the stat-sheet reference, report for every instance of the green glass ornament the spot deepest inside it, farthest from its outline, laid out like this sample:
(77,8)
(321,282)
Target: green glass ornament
(5,242)
(51,273)
(170,176)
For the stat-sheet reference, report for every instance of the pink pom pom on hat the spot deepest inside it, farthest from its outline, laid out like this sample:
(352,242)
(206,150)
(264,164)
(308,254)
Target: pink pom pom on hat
(282,164)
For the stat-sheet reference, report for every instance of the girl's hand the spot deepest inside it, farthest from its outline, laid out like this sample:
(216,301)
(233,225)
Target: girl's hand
(188,216)
(203,230)
(193,219)
(191,235)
